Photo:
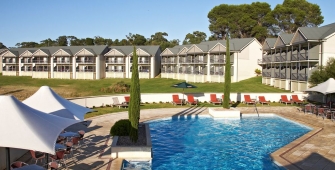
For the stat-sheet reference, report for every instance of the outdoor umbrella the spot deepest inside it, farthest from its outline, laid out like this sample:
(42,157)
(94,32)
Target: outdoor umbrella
(325,88)
(26,128)
(184,85)
(48,101)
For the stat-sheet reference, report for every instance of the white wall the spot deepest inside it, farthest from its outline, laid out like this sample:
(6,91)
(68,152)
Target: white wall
(40,74)
(328,49)
(84,75)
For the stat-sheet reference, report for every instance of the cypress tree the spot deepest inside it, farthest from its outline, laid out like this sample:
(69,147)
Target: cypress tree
(134,103)
(227,76)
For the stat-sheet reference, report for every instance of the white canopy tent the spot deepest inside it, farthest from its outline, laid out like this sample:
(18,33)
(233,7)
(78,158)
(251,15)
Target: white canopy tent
(26,128)
(326,87)
(48,101)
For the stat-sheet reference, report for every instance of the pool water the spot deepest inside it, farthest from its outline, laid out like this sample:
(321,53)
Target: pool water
(206,143)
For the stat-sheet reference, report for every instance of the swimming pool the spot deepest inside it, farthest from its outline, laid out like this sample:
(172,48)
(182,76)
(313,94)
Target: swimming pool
(205,143)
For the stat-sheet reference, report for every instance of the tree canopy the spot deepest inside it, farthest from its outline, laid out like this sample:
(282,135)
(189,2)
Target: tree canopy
(292,14)
(2,45)
(323,73)
(195,38)
(259,21)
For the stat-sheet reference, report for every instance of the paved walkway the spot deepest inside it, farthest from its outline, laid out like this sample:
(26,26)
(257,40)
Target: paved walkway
(315,150)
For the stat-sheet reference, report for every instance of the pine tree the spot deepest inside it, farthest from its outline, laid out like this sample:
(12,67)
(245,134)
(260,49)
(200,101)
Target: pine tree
(135,95)
(227,76)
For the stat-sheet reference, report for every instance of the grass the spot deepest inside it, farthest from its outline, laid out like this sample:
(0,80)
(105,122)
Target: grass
(106,110)
(77,88)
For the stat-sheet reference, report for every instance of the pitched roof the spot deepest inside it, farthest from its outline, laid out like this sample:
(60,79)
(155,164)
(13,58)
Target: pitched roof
(286,38)
(235,44)
(270,41)
(129,49)
(318,33)
(97,49)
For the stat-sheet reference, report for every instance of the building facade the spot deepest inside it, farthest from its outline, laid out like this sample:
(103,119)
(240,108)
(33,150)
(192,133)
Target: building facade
(80,62)
(289,60)
(205,62)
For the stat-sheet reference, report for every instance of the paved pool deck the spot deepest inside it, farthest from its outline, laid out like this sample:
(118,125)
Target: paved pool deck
(315,150)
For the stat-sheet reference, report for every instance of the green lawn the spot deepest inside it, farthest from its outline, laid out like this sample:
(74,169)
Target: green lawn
(156,85)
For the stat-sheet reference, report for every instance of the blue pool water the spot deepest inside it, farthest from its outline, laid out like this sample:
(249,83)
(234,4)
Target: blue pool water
(206,143)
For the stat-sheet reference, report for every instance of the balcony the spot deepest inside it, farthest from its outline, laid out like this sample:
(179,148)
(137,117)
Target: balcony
(115,62)
(218,61)
(85,61)
(168,71)
(282,75)
(278,58)
(62,62)
(217,73)
(85,70)
(144,62)
(294,76)
(167,61)
(40,61)
(302,77)
(303,56)
(277,75)
(114,70)
(294,57)
(266,74)
(9,62)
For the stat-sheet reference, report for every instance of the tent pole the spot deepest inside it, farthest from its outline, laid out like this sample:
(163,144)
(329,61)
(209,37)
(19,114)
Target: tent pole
(8,158)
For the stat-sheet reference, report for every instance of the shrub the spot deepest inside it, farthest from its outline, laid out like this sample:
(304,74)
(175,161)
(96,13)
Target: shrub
(153,102)
(121,128)
(160,102)
(119,87)
(146,102)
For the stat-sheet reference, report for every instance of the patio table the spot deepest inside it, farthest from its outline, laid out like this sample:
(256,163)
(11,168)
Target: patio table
(59,146)
(31,167)
(69,134)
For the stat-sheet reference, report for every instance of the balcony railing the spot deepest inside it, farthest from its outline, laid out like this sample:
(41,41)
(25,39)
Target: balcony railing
(277,58)
(283,75)
(84,70)
(168,61)
(85,61)
(26,61)
(302,77)
(303,56)
(216,73)
(115,61)
(168,71)
(114,70)
(294,57)
(9,69)
(62,62)
(143,62)
(39,61)
(277,75)
(283,58)
(9,61)
(222,61)
(294,76)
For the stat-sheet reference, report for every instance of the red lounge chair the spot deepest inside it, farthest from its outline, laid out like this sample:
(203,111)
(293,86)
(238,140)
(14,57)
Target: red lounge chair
(176,100)
(214,100)
(223,99)
(127,99)
(191,101)
(247,100)
(296,100)
(285,100)
(262,100)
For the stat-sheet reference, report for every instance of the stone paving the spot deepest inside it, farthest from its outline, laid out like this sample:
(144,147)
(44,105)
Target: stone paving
(315,150)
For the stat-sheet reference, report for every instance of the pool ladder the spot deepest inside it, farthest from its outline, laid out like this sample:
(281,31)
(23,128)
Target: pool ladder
(256,109)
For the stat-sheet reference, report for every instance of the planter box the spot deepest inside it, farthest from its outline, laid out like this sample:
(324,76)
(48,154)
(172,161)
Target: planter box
(133,152)
(224,113)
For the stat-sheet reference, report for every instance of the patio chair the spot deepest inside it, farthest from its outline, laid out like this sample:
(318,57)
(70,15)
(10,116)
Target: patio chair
(127,99)
(296,100)
(309,108)
(37,156)
(191,101)
(261,99)
(285,100)
(214,100)
(82,140)
(59,157)
(18,164)
(322,112)
(176,100)
(223,100)
(118,104)
(247,100)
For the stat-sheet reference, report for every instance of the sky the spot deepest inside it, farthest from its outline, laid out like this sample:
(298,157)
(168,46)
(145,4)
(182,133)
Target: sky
(38,20)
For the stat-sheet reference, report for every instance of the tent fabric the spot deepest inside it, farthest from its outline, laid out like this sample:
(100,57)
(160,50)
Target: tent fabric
(48,101)
(326,87)
(26,128)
